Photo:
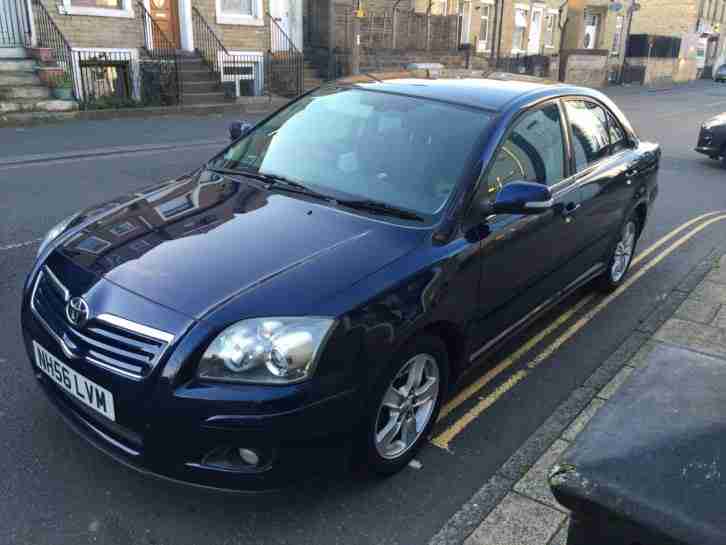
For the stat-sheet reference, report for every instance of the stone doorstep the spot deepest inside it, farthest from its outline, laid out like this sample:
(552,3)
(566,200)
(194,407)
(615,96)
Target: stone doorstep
(528,513)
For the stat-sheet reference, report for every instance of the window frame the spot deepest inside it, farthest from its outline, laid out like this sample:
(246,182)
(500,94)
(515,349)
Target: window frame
(229,18)
(550,26)
(567,168)
(125,12)
(608,114)
(486,44)
(521,47)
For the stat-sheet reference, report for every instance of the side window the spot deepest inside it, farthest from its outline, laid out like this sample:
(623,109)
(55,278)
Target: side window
(533,151)
(618,139)
(590,137)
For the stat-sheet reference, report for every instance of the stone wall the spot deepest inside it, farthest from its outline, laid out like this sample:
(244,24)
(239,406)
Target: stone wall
(588,67)
(659,71)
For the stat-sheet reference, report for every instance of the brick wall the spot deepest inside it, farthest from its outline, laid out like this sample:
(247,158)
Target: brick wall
(666,17)
(235,37)
(87,31)
(117,32)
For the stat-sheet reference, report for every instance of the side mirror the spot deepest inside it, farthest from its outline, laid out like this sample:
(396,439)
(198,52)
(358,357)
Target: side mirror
(523,198)
(238,129)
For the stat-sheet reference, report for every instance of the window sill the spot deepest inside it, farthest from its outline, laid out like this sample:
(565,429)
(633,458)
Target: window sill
(241,20)
(96,12)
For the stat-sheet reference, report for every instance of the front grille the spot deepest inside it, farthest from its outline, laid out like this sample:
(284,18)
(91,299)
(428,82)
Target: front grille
(108,345)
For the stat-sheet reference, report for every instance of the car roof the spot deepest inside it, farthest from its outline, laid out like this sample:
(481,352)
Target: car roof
(489,94)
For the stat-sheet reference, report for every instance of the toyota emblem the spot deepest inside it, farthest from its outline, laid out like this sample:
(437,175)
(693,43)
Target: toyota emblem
(77,311)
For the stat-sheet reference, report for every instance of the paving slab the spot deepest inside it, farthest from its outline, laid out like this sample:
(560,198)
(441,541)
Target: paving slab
(710,292)
(534,484)
(518,521)
(699,337)
(697,311)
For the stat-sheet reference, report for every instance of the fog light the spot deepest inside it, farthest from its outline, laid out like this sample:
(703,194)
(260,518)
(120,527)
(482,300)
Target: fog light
(249,456)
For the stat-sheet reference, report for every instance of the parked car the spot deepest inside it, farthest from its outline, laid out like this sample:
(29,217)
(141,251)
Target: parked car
(720,74)
(712,138)
(317,288)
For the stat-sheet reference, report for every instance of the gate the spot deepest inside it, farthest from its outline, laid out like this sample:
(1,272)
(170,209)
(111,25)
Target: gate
(14,23)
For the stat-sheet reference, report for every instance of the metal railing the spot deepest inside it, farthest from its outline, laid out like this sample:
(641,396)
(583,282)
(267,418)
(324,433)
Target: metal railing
(106,79)
(14,23)
(286,63)
(48,35)
(161,83)
(245,72)
(530,65)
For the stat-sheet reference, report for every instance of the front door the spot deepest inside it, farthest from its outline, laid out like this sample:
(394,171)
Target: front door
(288,16)
(535,31)
(166,14)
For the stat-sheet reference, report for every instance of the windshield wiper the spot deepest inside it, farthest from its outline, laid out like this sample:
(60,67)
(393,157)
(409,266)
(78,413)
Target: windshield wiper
(280,182)
(381,208)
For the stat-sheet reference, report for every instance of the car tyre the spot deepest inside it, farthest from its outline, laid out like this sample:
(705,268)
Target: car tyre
(621,256)
(405,405)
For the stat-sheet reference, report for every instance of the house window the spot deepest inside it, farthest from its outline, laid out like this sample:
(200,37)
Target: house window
(617,36)
(520,27)
(99,8)
(592,24)
(239,12)
(485,28)
(550,23)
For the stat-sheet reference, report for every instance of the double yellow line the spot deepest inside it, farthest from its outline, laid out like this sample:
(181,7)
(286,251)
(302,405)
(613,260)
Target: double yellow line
(443,439)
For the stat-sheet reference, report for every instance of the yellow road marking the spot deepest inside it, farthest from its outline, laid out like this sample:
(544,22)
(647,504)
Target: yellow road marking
(444,439)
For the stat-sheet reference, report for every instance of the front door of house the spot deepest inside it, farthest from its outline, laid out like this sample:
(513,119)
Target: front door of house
(166,15)
(288,16)
(535,30)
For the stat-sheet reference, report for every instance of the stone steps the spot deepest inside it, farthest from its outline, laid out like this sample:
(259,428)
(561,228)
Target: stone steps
(33,105)
(24,91)
(199,86)
(17,65)
(19,78)
(189,99)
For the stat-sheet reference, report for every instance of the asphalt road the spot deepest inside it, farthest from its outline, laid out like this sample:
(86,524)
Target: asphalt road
(57,490)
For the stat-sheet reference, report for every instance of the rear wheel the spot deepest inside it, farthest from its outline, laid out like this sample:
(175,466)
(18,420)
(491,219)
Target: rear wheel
(405,405)
(621,256)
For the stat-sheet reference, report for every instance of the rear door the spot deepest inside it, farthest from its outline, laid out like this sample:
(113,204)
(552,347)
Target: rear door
(604,164)
(523,257)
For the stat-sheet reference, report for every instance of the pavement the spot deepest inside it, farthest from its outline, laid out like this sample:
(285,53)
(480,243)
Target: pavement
(526,512)
(508,412)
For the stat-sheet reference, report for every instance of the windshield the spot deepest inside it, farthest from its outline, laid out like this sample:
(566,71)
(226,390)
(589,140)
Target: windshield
(355,144)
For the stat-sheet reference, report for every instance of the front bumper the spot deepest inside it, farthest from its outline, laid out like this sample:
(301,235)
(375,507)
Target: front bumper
(706,144)
(178,427)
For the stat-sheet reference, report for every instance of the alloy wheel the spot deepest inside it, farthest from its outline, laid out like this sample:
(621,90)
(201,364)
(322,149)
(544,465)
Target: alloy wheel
(407,406)
(623,252)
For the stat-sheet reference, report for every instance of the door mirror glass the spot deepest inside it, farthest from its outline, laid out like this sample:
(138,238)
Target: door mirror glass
(523,198)
(238,129)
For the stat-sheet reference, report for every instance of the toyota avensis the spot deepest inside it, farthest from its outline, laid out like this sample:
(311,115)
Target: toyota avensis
(315,290)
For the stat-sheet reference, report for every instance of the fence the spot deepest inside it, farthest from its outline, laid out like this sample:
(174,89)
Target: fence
(646,45)
(285,63)
(399,30)
(14,23)
(531,65)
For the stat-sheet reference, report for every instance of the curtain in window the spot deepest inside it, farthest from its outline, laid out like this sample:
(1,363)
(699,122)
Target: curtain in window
(239,7)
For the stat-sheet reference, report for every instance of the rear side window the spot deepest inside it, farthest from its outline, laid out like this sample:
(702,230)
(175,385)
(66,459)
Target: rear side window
(590,134)
(533,151)
(618,140)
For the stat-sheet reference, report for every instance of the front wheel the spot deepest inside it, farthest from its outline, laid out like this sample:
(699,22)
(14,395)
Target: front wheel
(405,405)
(621,257)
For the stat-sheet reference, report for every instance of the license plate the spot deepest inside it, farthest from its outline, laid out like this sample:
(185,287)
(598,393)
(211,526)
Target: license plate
(86,391)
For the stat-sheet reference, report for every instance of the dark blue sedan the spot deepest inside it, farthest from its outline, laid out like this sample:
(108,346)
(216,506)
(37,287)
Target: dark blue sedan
(317,289)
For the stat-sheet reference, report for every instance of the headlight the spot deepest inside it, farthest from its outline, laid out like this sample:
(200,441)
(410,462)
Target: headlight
(55,232)
(266,350)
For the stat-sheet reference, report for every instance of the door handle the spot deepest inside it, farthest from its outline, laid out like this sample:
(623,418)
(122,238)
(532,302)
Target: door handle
(569,210)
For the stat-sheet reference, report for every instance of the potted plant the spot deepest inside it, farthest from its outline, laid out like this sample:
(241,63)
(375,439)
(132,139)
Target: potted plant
(62,87)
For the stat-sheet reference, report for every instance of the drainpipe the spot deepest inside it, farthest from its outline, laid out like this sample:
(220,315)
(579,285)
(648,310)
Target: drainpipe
(500,31)
(393,30)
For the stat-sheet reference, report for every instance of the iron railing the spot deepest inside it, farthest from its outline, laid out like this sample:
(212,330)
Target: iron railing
(530,65)
(106,79)
(285,62)
(14,23)
(48,35)
(161,82)
(245,73)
